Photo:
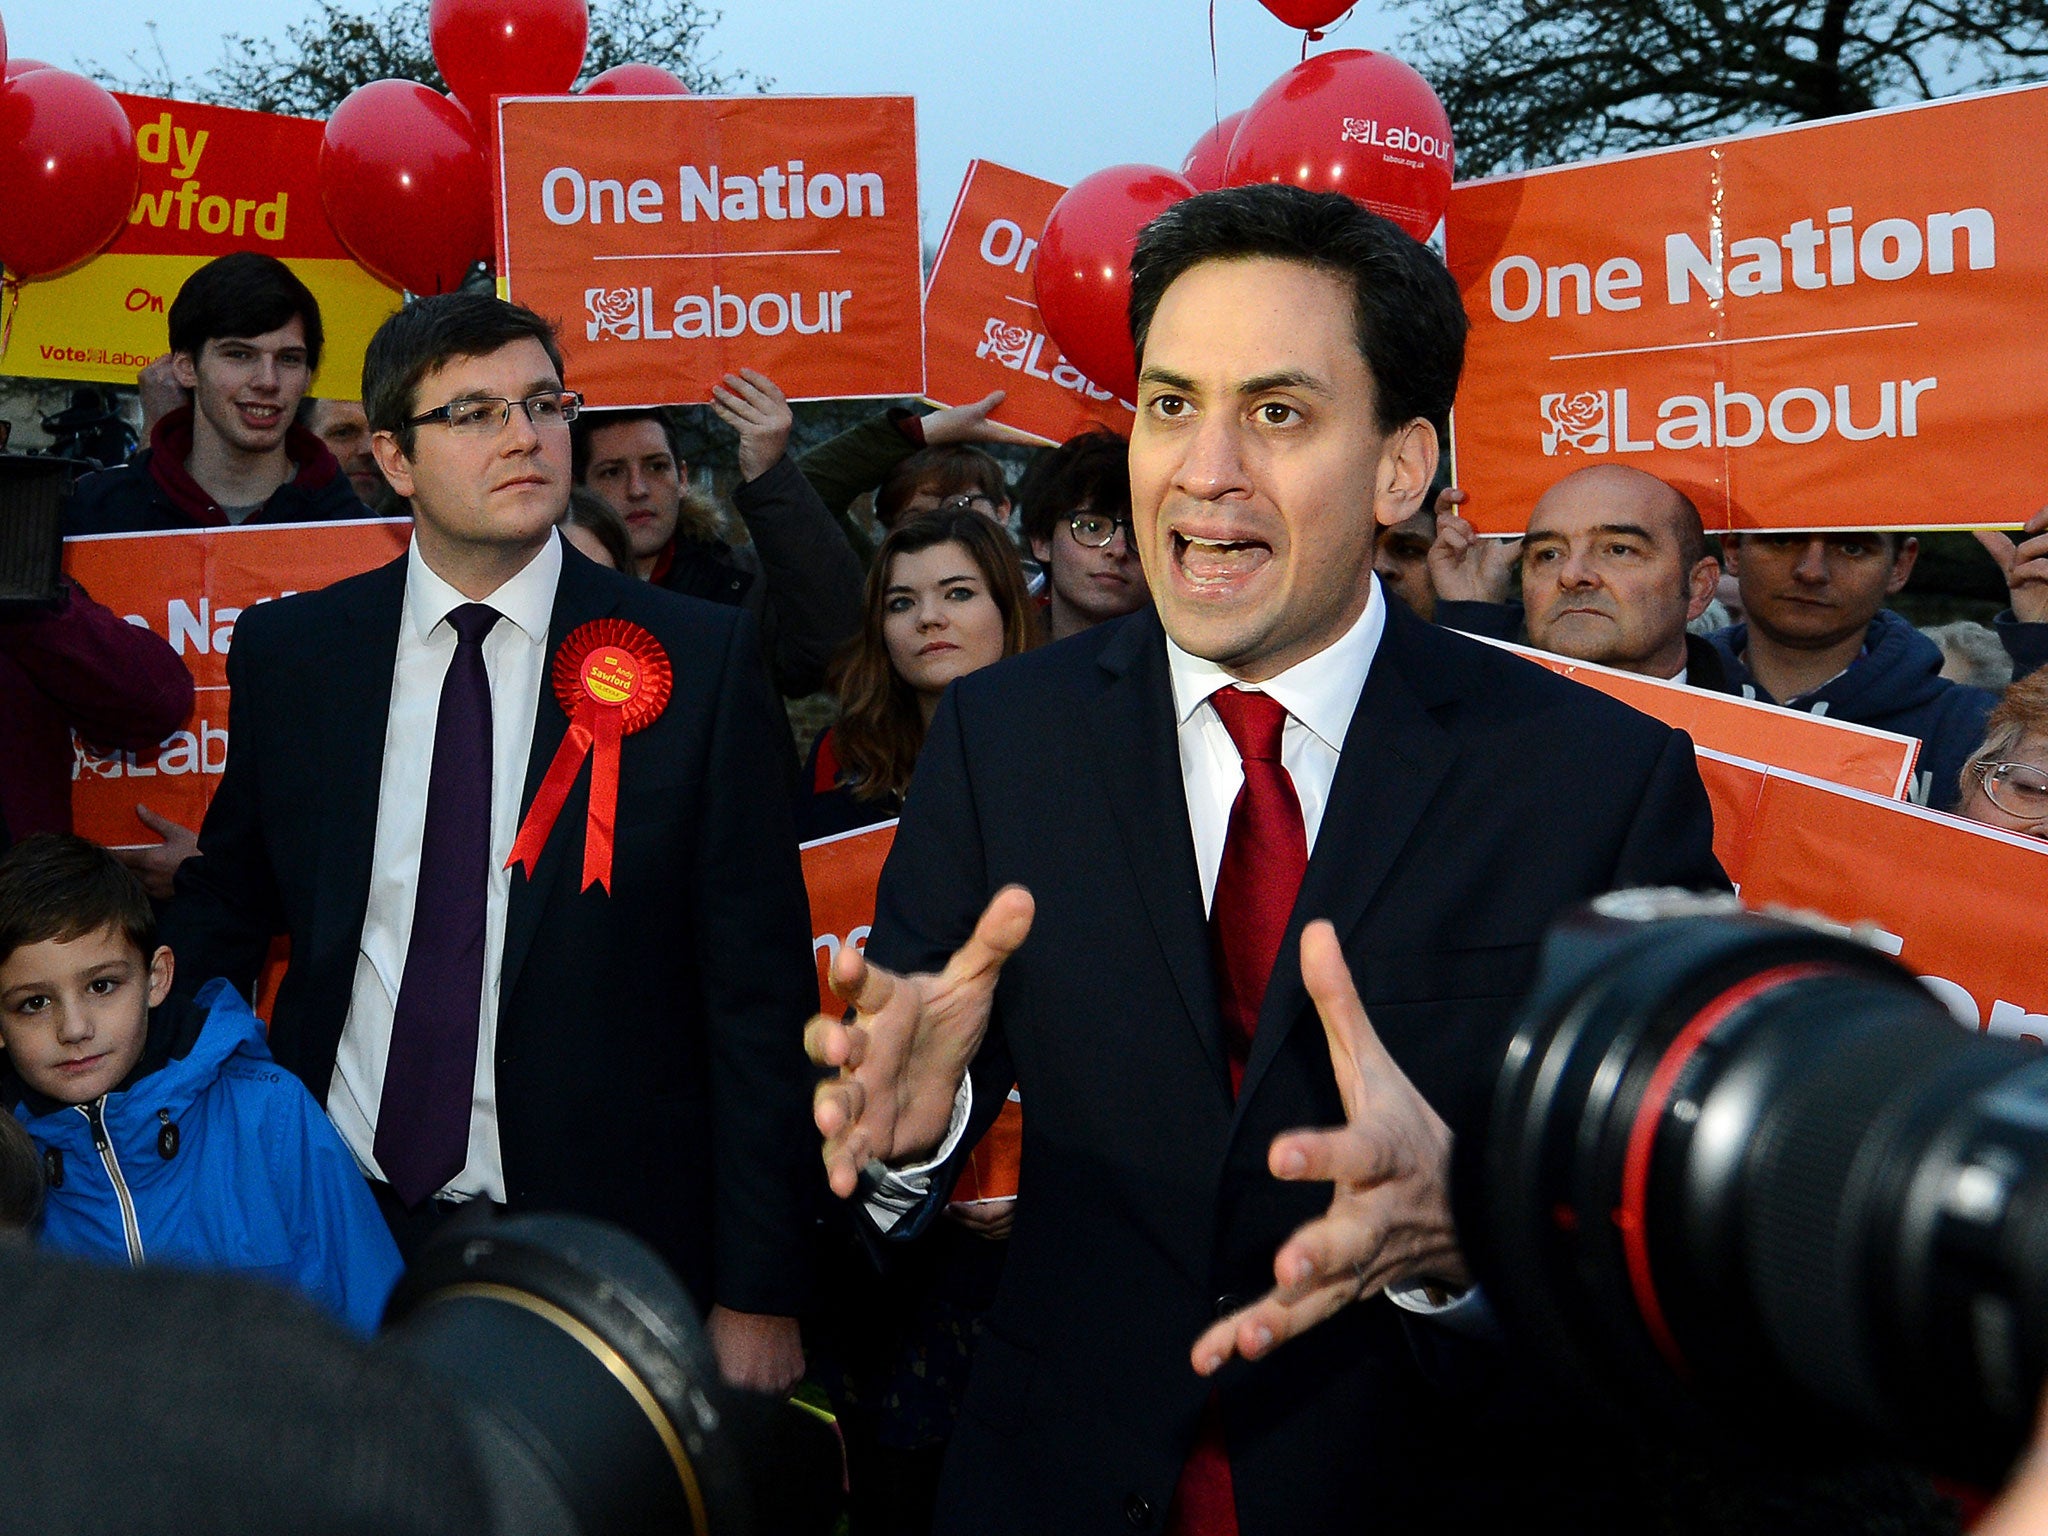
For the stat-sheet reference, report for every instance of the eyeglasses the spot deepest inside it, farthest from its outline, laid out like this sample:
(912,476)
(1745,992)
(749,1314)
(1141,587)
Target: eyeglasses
(2018,789)
(481,415)
(1096,529)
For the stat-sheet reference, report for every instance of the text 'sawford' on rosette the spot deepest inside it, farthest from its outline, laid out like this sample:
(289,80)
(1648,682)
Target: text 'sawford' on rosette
(612,679)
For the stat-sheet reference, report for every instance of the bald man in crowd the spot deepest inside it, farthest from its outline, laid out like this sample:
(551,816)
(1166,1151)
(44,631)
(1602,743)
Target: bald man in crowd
(1614,566)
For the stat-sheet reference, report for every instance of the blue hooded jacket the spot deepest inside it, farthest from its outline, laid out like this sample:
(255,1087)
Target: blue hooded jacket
(1895,685)
(219,1159)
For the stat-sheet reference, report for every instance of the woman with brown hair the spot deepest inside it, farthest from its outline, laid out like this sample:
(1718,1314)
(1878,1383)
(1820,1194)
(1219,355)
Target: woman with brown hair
(946,596)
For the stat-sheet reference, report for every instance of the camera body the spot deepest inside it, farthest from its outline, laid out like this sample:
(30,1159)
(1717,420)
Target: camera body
(1738,1170)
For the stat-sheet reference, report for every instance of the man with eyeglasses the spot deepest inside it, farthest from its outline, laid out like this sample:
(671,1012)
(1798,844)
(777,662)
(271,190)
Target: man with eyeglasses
(1077,520)
(624,1046)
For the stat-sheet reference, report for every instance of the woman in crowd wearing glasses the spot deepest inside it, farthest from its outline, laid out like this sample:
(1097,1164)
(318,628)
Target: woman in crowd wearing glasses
(2005,782)
(945,597)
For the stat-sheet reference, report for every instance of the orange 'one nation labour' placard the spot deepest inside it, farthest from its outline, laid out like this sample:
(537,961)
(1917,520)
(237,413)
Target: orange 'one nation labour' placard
(214,180)
(981,324)
(190,586)
(679,238)
(1833,325)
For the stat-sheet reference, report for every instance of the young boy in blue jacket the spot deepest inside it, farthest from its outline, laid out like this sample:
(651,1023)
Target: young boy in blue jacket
(167,1133)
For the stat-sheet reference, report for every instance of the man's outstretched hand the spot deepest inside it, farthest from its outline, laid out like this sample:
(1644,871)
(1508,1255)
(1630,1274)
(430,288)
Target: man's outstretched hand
(902,1056)
(1390,1220)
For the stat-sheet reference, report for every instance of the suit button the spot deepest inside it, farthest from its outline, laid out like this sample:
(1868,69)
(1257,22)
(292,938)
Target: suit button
(1228,1303)
(1137,1512)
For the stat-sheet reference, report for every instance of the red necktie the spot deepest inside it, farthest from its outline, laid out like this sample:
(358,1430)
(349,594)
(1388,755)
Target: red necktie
(1265,855)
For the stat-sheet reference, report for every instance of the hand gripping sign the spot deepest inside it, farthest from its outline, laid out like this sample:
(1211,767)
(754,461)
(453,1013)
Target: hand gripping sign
(612,679)
(686,237)
(982,328)
(1800,328)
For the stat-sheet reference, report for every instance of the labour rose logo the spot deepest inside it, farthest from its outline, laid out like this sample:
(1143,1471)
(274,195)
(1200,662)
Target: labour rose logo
(1357,130)
(614,313)
(1577,423)
(1007,344)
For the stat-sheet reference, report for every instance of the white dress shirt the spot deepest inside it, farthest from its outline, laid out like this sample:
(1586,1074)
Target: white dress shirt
(1320,696)
(515,657)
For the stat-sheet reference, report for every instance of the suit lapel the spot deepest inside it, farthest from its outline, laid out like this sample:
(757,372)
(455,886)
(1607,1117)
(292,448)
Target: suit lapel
(1395,755)
(580,595)
(362,656)
(1131,724)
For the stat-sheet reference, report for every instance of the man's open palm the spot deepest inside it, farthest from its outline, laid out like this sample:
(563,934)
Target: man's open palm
(1389,1221)
(903,1054)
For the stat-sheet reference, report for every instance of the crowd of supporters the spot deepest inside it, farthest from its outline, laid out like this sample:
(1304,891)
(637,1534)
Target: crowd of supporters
(878,568)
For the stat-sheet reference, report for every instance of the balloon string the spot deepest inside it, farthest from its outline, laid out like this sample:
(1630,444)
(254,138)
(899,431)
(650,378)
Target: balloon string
(10,301)
(1215,86)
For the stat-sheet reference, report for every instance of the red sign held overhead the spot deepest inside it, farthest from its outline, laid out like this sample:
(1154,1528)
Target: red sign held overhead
(982,328)
(681,238)
(1797,327)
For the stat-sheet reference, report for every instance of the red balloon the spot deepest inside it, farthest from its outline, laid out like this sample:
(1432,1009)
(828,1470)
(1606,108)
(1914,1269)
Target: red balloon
(1082,272)
(636,80)
(1203,167)
(68,171)
(17,67)
(492,48)
(1308,15)
(1356,122)
(402,180)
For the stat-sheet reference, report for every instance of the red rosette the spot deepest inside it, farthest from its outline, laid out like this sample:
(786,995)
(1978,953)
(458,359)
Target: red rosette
(611,678)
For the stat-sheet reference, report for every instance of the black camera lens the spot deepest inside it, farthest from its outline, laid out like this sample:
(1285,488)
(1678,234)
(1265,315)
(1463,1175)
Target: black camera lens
(1742,1165)
(588,1390)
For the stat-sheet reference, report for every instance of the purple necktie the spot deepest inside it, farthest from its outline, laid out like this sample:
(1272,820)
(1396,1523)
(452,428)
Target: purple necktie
(430,1074)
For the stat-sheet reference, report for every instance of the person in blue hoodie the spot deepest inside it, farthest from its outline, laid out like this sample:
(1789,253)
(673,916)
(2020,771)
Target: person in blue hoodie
(1819,638)
(166,1131)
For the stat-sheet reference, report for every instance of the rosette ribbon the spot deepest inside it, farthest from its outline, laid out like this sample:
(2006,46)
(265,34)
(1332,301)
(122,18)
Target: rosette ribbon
(612,679)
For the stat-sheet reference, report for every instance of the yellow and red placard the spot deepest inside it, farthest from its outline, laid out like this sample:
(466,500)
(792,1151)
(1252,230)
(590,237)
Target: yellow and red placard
(214,180)
(981,324)
(612,678)
(841,874)
(1880,762)
(190,587)
(1797,327)
(680,238)
(1962,905)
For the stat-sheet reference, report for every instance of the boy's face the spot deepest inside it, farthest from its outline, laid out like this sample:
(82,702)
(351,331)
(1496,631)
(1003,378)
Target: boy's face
(245,388)
(73,1015)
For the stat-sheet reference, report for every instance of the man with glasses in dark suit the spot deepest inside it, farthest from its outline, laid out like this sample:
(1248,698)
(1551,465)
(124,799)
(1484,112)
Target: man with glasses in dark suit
(610,1027)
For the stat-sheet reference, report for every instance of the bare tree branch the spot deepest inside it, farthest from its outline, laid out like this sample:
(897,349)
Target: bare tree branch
(337,47)
(1534,82)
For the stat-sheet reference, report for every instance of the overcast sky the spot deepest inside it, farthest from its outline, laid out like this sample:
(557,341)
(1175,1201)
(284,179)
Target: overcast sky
(1057,88)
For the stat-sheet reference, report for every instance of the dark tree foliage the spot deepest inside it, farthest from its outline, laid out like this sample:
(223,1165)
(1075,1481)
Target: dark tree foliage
(338,47)
(1538,82)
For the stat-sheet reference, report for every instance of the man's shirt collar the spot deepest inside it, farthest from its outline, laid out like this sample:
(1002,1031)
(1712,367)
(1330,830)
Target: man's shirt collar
(528,599)
(1321,692)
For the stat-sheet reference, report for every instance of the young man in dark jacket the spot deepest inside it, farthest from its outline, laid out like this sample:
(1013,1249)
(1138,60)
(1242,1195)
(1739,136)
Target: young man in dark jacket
(800,578)
(1819,638)
(245,343)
